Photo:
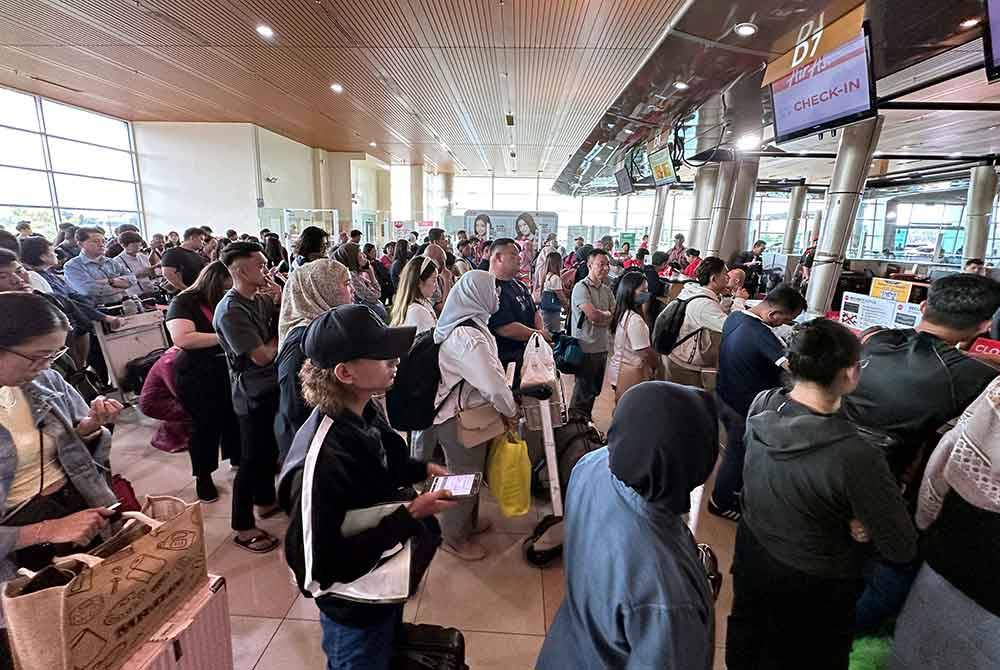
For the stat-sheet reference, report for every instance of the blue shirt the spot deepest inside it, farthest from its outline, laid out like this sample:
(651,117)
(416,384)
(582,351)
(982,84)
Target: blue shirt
(750,360)
(82,273)
(516,306)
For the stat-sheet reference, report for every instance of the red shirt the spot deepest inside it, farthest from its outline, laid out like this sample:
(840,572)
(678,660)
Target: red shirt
(692,267)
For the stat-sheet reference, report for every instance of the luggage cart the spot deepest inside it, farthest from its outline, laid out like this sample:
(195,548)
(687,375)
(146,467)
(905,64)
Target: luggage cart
(141,334)
(545,543)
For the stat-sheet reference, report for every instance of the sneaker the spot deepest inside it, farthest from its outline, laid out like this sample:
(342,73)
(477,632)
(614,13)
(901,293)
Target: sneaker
(467,551)
(205,488)
(729,514)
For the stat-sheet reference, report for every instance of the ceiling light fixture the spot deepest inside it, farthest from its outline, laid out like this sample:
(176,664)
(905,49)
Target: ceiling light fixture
(265,31)
(372,144)
(969,23)
(628,131)
(745,29)
(955,154)
(681,85)
(336,88)
(904,147)
(748,142)
(597,159)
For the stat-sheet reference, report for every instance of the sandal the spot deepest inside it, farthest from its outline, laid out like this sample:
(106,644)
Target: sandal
(258,544)
(274,511)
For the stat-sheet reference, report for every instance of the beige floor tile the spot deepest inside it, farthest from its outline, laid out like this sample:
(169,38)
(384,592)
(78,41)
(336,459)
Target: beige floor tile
(251,635)
(489,509)
(553,590)
(223,478)
(501,593)
(217,532)
(498,651)
(297,645)
(259,585)
(303,609)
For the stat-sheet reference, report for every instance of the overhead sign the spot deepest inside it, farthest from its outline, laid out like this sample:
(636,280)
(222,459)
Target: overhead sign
(662,167)
(493,224)
(815,41)
(891,289)
(991,40)
(861,312)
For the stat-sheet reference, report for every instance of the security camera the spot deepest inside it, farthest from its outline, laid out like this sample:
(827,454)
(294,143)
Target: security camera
(271,180)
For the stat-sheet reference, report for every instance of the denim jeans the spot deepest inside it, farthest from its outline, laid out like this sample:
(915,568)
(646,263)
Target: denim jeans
(729,480)
(361,648)
(886,588)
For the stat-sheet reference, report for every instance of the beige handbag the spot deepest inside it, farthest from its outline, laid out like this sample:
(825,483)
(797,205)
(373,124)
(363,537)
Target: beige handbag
(629,376)
(477,425)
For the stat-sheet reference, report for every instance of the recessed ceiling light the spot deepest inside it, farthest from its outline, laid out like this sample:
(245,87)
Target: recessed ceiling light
(597,159)
(969,23)
(336,88)
(905,147)
(745,29)
(265,31)
(611,125)
(681,85)
(955,154)
(748,142)
(372,144)
(628,131)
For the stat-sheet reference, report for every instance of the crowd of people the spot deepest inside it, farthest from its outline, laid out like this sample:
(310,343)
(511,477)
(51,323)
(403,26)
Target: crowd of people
(851,509)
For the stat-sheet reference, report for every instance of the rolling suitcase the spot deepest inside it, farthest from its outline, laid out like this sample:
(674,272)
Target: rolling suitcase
(428,647)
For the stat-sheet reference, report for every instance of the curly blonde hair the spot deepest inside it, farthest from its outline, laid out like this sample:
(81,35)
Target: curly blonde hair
(322,389)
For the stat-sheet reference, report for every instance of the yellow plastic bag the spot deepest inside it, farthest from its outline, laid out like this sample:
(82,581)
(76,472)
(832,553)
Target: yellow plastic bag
(508,472)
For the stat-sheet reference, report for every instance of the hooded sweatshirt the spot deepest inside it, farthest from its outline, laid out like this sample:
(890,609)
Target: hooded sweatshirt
(806,475)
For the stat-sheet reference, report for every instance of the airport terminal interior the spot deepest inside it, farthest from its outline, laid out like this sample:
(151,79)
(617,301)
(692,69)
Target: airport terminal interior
(815,168)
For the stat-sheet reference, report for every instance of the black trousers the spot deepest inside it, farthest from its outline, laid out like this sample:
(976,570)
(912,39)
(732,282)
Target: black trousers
(785,619)
(203,389)
(589,382)
(254,484)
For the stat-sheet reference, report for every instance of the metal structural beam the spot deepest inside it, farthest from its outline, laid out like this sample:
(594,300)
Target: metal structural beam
(725,188)
(738,225)
(795,205)
(850,172)
(979,206)
(704,195)
(662,193)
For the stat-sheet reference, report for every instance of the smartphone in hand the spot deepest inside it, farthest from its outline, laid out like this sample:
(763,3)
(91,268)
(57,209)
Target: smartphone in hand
(461,486)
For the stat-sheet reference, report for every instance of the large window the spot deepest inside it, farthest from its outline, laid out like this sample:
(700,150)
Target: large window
(60,164)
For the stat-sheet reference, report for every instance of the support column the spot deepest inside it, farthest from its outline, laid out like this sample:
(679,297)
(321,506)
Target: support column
(850,172)
(662,193)
(795,205)
(448,186)
(725,187)
(739,216)
(817,227)
(340,186)
(705,179)
(978,208)
(416,193)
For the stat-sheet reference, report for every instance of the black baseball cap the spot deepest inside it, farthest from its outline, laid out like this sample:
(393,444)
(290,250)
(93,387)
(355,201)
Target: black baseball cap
(350,332)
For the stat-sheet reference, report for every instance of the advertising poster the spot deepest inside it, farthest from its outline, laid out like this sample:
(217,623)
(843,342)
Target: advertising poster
(861,312)
(891,289)
(491,224)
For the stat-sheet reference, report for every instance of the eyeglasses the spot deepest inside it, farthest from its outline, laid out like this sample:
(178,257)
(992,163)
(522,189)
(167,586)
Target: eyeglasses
(35,360)
(863,363)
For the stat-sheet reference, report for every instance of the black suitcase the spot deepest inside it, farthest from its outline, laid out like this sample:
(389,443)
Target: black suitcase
(428,647)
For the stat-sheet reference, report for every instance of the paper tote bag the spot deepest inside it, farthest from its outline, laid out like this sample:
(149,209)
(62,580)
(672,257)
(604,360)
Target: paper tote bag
(125,591)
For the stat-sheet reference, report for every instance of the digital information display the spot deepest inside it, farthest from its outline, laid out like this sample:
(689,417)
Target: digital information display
(662,167)
(832,89)
(624,182)
(991,39)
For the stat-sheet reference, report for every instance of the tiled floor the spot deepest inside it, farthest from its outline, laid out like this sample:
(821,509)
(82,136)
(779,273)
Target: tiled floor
(502,604)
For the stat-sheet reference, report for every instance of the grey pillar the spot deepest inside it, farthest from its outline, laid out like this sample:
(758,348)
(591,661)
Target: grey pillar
(978,208)
(704,195)
(817,227)
(725,187)
(661,202)
(738,225)
(795,205)
(850,172)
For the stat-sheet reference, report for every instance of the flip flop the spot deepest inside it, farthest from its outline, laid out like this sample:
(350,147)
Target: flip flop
(258,544)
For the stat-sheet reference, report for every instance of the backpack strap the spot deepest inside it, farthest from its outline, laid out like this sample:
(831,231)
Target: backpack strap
(468,323)
(693,332)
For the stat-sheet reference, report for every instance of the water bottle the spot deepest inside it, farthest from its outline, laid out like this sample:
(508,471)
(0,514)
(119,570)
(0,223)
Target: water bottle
(138,306)
(128,307)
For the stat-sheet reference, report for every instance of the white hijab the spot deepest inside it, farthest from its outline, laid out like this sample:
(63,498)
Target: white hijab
(474,297)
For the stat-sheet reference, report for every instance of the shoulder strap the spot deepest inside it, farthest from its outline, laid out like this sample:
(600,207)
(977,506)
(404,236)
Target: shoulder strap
(870,333)
(308,473)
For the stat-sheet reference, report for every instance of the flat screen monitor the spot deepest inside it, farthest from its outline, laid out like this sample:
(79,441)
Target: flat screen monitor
(991,40)
(834,89)
(662,166)
(624,182)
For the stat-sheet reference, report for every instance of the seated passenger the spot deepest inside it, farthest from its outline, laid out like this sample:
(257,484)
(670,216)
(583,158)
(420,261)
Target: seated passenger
(102,279)
(182,263)
(693,257)
(952,615)
(636,592)
(357,461)
(704,315)
(137,262)
(813,491)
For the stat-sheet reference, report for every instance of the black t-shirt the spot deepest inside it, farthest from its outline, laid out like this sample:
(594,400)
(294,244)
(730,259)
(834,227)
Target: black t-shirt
(188,263)
(293,410)
(243,324)
(516,306)
(189,306)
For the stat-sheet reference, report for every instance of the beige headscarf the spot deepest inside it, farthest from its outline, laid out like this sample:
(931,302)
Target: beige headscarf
(966,460)
(309,293)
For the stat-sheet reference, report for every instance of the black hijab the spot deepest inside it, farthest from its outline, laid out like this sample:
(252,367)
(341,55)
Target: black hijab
(663,442)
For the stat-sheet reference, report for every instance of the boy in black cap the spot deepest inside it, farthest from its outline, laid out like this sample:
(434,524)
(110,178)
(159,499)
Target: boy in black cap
(347,457)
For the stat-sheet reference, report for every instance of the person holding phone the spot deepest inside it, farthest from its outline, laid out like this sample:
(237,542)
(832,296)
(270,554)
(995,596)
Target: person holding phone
(362,462)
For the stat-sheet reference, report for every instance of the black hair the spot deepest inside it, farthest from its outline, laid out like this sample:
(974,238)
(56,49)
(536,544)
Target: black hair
(312,240)
(597,252)
(22,225)
(659,258)
(449,259)
(820,349)
(28,316)
(9,241)
(207,230)
(231,232)
(759,243)
(7,257)
(237,250)
(502,242)
(642,253)
(32,250)
(402,251)
(368,247)
(129,237)
(692,252)
(83,234)
(388,245)
(962,301)
(193,232)
(435,234)
(354,233)
(463,244)
(625,297)
(785,298)
(974,261)
(272,249)
(709,267)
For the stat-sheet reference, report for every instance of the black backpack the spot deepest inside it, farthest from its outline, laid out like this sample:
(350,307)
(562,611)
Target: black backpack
(410,401)
(667,328)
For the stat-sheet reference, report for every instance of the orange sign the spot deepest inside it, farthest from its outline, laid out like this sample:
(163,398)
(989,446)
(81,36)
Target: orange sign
(815,41)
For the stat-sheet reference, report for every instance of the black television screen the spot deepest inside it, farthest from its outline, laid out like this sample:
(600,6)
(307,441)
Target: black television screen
(624,182)
(991,40)
(832,90)
(662,166)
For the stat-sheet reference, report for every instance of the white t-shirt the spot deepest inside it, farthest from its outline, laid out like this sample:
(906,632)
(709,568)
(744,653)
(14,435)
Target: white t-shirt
(553,283)
(631,336)
(420,315)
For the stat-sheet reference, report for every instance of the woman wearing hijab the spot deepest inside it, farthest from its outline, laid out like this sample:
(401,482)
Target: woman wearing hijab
(471,376)
(366,287)
(311,291)
(636,591)
(952,615)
